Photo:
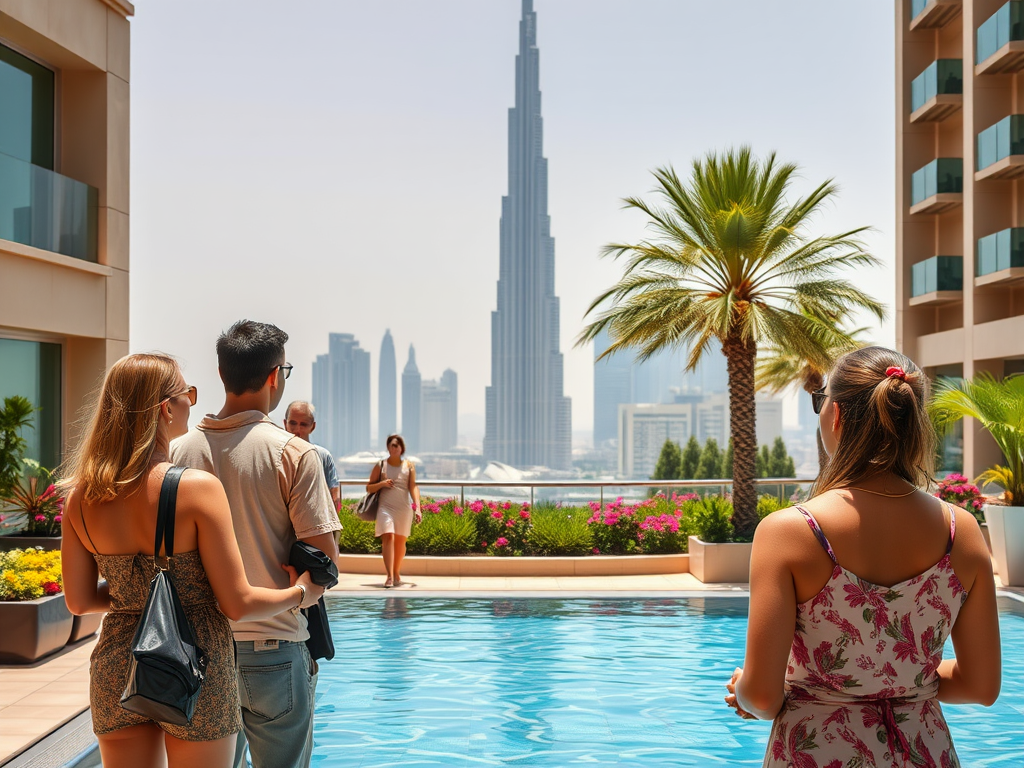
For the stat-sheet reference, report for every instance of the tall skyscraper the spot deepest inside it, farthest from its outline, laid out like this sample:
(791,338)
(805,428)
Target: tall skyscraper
(341,394)
(529,420)
(613,386)
(439,427)
(387,390)
(411,401)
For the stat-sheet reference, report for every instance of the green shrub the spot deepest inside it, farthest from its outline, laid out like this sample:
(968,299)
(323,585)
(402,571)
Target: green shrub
(356,536)
(766,504)
(560,532)
(442,534)
(709,519)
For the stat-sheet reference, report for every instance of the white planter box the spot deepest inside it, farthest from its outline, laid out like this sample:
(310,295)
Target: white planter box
(1006,530)
(719,563)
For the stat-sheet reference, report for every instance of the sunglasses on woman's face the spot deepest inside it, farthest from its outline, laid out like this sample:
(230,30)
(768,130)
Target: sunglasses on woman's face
(818,400)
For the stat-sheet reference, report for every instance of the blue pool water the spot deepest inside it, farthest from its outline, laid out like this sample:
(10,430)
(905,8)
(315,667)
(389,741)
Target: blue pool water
(552,682)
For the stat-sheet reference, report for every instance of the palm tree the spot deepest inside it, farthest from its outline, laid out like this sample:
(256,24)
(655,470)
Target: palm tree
(728,260)
(779,366)
(999,407)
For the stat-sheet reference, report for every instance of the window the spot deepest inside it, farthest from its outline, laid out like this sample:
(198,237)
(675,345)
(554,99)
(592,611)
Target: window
(27,117)
(32,369)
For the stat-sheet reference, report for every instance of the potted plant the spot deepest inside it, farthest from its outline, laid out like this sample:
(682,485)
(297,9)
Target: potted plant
(998,405)
(36,620)
(35,507)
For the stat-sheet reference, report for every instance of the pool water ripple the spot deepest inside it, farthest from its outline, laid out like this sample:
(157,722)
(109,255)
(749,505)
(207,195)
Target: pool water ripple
(552,682)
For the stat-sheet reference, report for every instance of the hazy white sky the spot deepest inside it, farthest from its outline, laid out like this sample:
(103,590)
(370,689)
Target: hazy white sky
(339,166)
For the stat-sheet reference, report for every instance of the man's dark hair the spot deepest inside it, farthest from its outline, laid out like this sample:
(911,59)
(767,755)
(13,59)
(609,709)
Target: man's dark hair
(247,353)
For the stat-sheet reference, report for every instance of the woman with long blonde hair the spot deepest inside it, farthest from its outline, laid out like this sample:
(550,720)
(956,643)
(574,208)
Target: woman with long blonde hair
(853,594)
(113,483)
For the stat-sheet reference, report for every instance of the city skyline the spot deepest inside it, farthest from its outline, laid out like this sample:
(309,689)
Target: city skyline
(337,131)
(528,418)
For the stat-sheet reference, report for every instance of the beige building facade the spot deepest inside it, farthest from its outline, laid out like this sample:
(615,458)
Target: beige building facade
(960,195)
(64,160)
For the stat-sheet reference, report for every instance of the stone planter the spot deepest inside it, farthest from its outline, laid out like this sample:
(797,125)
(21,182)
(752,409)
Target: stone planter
(719,563)
(85,626)
(1006,530)
(48,543)
(33,628)
(591,565)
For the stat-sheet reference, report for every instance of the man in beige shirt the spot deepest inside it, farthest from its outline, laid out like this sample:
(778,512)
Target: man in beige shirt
(276,489)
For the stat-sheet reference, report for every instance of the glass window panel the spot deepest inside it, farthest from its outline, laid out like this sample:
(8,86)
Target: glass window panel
(27,117)
(32,369)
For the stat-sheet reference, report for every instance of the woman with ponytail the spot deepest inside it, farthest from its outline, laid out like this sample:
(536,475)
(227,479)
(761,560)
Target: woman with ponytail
(853,594)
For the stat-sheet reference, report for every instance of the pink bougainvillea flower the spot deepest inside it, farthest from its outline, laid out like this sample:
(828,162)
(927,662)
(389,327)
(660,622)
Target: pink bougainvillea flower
(524,514)
(458,511)
(507,505)
(510,523)
(497,515)
(483,544)
(40,518)
(596,551)
(501,542)
(57,518)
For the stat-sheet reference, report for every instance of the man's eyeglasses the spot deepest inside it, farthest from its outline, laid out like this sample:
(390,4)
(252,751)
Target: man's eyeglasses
(286,369)
(818,400)
(192,392)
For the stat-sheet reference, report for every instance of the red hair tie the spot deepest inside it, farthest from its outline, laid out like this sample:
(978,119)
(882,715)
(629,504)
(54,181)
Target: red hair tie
(895,372)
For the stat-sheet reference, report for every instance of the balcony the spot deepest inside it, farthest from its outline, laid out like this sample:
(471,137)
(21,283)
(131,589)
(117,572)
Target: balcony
(929,14)
(1000,41)
(938,186)
(936,93)
(1000,258)
(45,210)
(938,280)
(1001,149)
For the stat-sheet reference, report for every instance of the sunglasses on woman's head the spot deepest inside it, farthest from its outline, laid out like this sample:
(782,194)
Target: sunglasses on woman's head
(818,398)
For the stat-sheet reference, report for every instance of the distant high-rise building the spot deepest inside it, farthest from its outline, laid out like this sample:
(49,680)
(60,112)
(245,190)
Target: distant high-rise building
(619,380)
(439,426)
(341,394)
(529,420)
(411,401)
(387,390)
(613,386)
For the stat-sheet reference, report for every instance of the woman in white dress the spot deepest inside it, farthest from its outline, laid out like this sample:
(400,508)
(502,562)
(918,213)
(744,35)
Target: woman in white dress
(396,483)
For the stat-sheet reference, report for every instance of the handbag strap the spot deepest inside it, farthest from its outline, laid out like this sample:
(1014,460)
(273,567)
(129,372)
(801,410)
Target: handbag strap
(165,514)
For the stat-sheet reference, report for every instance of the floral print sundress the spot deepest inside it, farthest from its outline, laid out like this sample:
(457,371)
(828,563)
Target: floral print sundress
(861,681)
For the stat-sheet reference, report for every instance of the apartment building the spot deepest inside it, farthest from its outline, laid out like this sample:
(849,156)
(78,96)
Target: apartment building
(960,207)
(64,74)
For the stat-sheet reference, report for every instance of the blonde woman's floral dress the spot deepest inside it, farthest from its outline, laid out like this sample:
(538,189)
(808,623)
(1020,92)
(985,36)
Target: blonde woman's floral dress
(861,681)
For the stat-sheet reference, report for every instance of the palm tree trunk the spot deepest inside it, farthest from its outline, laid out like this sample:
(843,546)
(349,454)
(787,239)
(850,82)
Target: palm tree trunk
(740,356)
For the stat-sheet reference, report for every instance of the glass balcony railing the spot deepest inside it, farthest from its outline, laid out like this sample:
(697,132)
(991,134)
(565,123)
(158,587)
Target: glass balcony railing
(1000,28)
(940,176)
(1001,140)
(939,273)
(1000,251)
(46,210)
(940,77)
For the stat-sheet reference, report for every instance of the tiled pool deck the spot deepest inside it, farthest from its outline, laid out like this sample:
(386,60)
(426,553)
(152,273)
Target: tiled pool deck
(37,699)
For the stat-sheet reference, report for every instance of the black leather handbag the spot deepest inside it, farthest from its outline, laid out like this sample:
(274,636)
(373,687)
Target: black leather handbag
(322,570)
(167,665)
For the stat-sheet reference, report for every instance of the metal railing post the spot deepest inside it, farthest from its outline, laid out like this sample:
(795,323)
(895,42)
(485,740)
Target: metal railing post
(602,497)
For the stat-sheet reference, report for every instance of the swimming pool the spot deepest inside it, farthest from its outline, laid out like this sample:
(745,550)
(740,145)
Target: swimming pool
(555,682)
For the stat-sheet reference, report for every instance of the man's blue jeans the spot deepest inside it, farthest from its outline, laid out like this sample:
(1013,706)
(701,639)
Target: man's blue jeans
(276,686)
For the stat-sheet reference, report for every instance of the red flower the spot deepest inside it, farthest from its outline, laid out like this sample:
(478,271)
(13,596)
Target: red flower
(51,588)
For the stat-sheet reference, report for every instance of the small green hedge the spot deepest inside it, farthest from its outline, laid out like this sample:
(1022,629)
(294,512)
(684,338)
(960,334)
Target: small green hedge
(658,525)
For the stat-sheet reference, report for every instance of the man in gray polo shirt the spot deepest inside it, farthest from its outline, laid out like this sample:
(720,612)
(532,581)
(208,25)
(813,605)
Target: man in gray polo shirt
(300,420)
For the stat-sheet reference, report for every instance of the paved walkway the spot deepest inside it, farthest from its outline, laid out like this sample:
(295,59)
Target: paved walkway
(35,699)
